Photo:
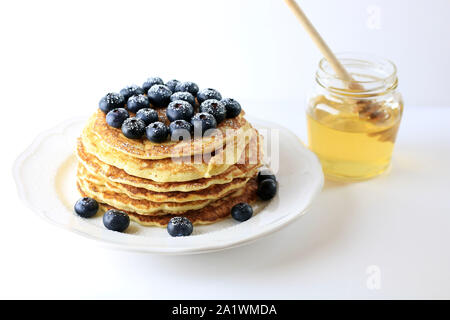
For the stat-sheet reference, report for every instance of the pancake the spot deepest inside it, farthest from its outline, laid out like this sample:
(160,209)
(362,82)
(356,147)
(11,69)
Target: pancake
(172,169)
(142,206)
(214,192)
(113,174)
(198,178)
(215,211)
(145,149)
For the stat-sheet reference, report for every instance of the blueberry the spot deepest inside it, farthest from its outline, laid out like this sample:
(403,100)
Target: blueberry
(214,107)
(232,106)
(116,117)
(179,227)
(111,101)
(208,93)
(171,84)
(147,115)
(159,95)
(157,132)
(116,220)
(185,96)
(131,91)
(135,103)
(150,82)
(267,189)
(203,121)
(242,211)
(86,207)
(133,128)
(266,174)
(188,86)
(179,110)
(180,129)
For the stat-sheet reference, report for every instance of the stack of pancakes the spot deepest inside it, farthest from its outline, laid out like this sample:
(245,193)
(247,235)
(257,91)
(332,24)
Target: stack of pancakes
(201,178)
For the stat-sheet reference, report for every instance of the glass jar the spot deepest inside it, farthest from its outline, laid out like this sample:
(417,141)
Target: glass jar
(352,126)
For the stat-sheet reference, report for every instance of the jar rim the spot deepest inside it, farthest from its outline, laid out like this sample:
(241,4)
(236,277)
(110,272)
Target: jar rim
(388,70)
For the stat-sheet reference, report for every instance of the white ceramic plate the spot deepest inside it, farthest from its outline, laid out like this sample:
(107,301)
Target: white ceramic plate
(45,178)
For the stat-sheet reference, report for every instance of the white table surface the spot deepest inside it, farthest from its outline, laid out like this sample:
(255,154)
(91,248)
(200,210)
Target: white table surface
(399,223)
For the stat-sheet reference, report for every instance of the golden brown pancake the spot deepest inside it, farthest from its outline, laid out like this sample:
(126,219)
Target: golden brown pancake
(173,169)
(216,191)
(152,183)
(145,149)
(214,212)
(110,173)
(142,206)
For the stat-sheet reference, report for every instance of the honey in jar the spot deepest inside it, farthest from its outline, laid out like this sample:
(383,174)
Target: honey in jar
(353,131)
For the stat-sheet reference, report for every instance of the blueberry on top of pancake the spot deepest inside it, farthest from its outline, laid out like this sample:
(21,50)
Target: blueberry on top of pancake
(232,106)
(180,129)
(147,115)
(116,117)
(157,132)
(203,122)
(137,102)
(188,86)
(183,95)
(179,110)
(171,84)
(208,93)
(150,82)
(133,128)
(159,95)
(214,107)
(132,90)
(111,101)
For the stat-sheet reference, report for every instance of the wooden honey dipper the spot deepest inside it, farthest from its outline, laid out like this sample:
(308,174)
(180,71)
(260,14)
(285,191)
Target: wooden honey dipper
(366,109)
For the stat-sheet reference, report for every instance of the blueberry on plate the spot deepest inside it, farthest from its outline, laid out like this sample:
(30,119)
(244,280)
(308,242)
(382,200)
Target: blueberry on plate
(157,132)
(179,227)
(147,115)
(214,107)
(133,128)
(150,82)
(185,96)
(242,211)
(116,220)
(116,117)
(179,110)
(138,102)
(232,106)
(86,207)
(188,86)
(267,189)
(172,84)
(202,122)
(180,130)
(131,91)
(111,101)
(159,95)
(264,174)
(208,93)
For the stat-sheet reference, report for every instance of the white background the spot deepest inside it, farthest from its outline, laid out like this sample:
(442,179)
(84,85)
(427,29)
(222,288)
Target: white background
(70,53)
(57,58)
